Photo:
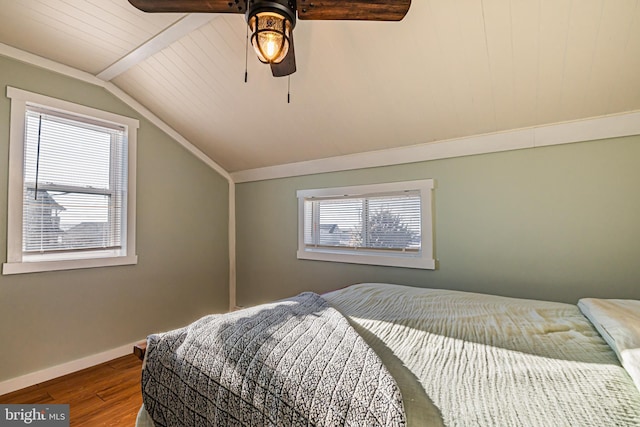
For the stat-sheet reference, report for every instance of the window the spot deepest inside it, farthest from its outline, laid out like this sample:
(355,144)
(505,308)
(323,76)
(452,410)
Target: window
(71,186)
(380,224)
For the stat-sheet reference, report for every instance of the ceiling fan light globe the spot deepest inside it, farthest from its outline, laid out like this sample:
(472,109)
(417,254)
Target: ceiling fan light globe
(270,48)
(270,36)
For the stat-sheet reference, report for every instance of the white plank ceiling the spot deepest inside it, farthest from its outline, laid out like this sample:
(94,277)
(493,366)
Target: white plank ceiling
(451,68)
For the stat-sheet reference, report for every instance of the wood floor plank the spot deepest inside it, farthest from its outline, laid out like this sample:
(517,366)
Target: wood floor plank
(28,395)
(103,395)
(121,391)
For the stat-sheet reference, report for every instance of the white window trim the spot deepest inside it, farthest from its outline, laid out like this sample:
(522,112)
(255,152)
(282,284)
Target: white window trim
(15,264)
(422,260)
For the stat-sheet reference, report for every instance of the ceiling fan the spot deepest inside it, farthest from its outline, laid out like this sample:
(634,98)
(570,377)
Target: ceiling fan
(272,21)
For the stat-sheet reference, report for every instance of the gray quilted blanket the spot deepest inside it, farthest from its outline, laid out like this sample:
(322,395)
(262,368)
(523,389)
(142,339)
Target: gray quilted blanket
(296,362)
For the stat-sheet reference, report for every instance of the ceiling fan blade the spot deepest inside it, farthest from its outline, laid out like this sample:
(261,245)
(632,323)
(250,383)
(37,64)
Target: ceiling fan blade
(191,6)
(357,10)
(288,64)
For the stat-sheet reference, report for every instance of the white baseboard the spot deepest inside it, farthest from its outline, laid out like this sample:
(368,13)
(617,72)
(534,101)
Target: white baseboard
(47,374)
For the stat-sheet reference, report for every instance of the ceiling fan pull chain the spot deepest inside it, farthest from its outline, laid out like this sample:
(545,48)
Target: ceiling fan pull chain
(246,55)
(289,89)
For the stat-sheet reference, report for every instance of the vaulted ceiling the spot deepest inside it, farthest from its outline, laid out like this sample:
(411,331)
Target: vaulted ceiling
(450,69)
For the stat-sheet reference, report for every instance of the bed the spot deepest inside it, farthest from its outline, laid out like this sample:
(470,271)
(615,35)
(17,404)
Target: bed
(419,357)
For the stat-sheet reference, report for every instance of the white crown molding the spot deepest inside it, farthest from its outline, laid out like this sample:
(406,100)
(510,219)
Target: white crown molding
(47,374)
(603,127)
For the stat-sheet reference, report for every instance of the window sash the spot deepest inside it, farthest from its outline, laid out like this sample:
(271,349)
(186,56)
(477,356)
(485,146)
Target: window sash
(418,254)
(388,223)
(82,163)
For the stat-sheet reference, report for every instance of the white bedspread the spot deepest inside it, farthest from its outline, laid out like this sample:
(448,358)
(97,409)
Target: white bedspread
(495,361)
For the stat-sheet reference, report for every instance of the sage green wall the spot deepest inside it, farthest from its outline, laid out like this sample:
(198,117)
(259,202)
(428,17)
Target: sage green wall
(555,223)
(48,319)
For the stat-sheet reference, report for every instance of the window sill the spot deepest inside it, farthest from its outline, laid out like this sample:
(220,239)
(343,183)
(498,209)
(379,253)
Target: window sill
(368,258)
(42,266)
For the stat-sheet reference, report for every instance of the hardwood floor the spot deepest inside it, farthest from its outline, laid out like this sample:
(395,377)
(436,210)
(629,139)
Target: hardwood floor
(103,395)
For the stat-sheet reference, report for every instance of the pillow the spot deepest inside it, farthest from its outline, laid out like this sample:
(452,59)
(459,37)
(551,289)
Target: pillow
(618,321)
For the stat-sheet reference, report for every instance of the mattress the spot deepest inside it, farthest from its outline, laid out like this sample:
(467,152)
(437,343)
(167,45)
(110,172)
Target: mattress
(493,361)
(466,359)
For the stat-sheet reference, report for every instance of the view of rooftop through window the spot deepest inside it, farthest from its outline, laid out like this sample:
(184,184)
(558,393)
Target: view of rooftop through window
(384,222)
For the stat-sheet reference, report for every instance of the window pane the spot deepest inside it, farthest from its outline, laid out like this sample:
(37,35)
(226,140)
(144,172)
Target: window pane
(73,184)
(333,222)
(386,222)
(41,222)
(340,222)
(67,221)
(308,222)
(394,223)
(71,153)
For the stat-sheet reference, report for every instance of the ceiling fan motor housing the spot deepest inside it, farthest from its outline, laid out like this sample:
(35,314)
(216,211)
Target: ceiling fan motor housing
(286,8)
